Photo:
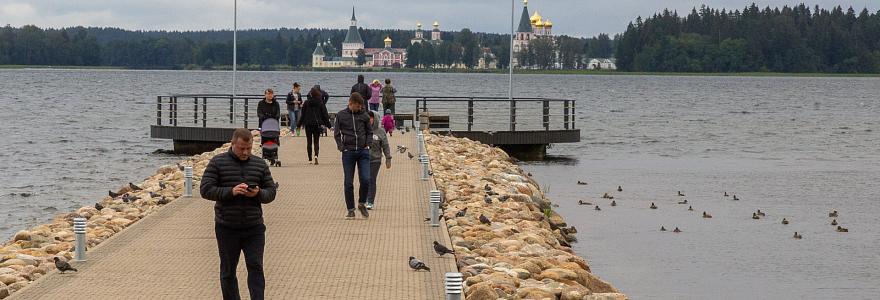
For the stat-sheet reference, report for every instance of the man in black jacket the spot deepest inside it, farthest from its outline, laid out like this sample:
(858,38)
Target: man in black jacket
(353,135)
(239,185)
(362,88)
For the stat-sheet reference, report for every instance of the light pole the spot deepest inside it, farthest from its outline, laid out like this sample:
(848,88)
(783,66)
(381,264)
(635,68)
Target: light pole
(234,43)
(510,68)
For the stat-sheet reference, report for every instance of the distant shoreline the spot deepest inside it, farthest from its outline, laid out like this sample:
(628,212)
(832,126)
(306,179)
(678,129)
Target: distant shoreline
(460,71)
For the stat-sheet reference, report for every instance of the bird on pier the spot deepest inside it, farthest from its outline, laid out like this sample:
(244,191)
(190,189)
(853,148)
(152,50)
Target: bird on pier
(112,194)
(461,213)
(707,216)
(134,187)
(98,206)
(755,216)
(676,230)
(607,196)
(409,155)
(613,203)
(162,201)
(690,208)
(582,182)
(581,202)
(797,236)
(653,206)
(63,266)
(841,229)
(485,220)
(784,221)
(833,214)
(683,202)
(441,250)
(680,194)
(530,174)
(735,198)
(597,208)
(619,188)
(162,185)
(760,213)
(487,187)
(487,199)
(726,195)
(154,195)
(834,222)
(662,228)
(180,167)
(416,264)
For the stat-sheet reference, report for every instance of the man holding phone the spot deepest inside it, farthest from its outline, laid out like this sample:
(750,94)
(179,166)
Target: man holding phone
(239,186)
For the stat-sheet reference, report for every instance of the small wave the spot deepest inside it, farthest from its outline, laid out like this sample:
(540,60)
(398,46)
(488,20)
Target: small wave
(744,112)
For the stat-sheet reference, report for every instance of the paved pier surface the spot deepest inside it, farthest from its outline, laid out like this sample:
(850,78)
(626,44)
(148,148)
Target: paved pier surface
(312,252)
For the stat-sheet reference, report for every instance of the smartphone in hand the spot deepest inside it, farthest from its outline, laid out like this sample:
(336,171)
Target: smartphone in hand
(252,186)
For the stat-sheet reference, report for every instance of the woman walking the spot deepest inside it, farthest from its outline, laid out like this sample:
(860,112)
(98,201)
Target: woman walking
(294,104)
(375,95)
(268,108)
(388,98)
(313,115)
(378,147)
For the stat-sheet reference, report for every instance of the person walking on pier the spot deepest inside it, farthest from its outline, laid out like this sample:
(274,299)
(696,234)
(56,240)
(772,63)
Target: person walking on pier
(388,122)
(268,108)
(324,98)
(388,98)
(239,185)
(294,104)
(378,146)
(362,88)
(375,95)
(353,135)
(314,118)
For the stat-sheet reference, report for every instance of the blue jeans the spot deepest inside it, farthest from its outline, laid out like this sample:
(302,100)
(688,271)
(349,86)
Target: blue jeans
(374,106)
(361,159)
(292,118)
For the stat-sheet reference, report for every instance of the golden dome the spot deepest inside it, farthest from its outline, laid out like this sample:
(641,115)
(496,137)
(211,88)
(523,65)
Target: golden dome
(388,39)
(548,23)
(535,17)
(539,23)
(526,2)
(419,24)
(436,24)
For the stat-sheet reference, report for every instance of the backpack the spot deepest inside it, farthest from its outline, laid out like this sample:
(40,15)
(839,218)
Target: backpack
(388,95)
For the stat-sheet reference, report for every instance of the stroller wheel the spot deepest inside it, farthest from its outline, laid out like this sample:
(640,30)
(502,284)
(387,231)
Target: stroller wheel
(278,163)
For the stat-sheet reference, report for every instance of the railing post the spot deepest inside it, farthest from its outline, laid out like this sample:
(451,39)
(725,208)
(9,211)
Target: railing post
(195,110)
(425,170)
(573,115)
(231,110)
(565,114)
(434,205)
(174,110)
(204,112)
(420,140)
(158,110)
(79,229)
(246,113)
(454,287)
(188,183)
(512,115)
(546,112)
(470,116)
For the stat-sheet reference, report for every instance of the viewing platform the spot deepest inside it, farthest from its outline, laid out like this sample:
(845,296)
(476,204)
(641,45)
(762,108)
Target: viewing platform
(523,127)
(311,251)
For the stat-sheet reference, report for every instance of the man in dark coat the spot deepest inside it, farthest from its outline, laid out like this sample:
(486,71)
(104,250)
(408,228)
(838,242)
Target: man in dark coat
(353,136)
(239,185)
(362,88)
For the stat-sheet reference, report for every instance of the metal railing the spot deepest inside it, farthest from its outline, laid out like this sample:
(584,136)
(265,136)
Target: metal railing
(464,113)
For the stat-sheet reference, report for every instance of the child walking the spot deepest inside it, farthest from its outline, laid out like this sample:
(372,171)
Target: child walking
(388,122)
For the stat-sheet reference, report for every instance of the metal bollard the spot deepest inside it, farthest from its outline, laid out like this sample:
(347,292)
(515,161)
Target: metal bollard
(188,175)
(79,229)
(425,172)
(434,207)
(421,142)
(454,285)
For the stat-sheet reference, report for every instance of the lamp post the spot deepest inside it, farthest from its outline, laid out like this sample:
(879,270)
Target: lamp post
(510,67)
(234,43)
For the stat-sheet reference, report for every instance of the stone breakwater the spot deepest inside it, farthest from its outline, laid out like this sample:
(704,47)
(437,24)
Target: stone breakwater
(29,255)
(524,252)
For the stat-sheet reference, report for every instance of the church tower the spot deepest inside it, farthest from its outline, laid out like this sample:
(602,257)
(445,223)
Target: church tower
(435,34)
(524,33)
(353,41)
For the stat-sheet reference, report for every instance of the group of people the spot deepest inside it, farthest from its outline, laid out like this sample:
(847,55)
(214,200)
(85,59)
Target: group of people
(239,184)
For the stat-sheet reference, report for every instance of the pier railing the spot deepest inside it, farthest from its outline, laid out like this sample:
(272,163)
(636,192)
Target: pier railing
(486,114)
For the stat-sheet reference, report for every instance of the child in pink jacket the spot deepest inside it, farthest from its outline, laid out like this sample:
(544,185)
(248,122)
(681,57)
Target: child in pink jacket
(388,122)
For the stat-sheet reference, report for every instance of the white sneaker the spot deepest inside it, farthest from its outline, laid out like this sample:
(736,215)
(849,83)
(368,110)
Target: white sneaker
(316,160)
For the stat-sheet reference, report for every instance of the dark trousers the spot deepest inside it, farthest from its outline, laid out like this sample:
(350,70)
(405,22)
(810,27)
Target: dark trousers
(387,107)
(374,106)
(361,160)
(313,137)
(374,175)
(230,243)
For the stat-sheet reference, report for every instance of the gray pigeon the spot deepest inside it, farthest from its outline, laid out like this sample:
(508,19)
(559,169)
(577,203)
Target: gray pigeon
(180,167)
(162,201)
(134,187)
(441,250)
(63,266)
(461,213)
(487,199)
(485,220)
(112,194)
(98,206)
(162,185)
(409,155)
(416,264)
(154,195)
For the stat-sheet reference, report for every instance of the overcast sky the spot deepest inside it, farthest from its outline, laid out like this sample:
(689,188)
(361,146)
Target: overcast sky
(572,17)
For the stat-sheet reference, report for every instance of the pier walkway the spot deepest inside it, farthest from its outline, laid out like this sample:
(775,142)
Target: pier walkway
(312,252)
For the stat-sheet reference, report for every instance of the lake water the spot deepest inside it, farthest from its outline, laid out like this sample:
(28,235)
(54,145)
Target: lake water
(792,147)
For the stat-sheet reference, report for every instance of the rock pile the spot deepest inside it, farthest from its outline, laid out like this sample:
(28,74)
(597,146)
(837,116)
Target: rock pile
(29,255)
(523,253)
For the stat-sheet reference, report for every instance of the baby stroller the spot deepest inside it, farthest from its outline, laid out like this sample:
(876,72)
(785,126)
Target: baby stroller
(270,132)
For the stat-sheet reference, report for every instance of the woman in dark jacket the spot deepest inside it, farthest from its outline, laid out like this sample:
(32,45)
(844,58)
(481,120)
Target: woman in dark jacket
(312,116)
(268,108)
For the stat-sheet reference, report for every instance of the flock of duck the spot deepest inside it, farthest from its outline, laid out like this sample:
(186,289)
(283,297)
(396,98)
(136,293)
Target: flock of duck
(757,215)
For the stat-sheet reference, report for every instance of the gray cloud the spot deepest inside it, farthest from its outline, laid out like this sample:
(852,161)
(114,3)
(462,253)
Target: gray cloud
(572,17)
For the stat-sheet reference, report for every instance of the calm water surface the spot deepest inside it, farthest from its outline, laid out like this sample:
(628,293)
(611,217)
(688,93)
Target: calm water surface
(792,147)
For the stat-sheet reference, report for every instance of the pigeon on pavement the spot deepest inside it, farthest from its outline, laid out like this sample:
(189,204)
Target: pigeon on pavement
(63,266)
(416,264)
(441,250)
